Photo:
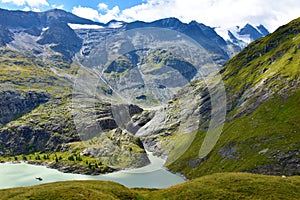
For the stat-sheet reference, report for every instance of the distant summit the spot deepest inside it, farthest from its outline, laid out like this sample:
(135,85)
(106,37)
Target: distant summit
(242,36)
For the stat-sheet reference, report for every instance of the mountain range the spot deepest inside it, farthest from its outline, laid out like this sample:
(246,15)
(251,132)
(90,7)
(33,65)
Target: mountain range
(79,96)
(51,26)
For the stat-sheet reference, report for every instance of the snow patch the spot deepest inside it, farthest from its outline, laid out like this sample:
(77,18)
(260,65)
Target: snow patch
(115,25)
(256,28)
(224,33)
(84,26)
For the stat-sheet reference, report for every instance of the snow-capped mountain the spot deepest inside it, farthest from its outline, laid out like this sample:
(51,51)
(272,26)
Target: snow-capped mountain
(242,36)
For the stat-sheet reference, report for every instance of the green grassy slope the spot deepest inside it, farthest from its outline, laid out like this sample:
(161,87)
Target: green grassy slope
(217,186)
(25,72)
(262,132)
(267,66)
(267,141)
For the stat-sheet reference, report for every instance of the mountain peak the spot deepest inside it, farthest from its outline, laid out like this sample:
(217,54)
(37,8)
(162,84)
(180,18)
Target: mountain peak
(169,22)
(263,29)
(253,32)
(31,19)
(242,36)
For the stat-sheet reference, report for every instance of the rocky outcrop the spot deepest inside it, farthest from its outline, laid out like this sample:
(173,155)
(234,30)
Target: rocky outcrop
(14,104)
(62,39)
(50,128)
(5,36)
(50,28)
(119,148)
(284,163)
(44,129)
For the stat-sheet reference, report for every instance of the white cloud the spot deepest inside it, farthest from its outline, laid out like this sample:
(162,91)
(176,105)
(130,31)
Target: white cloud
(114,13)
(225,13)
(16,2)
(219,12)
(86,12)
(36,10)
(58,6)
(31,3)
(26,9)
(102,6)
(92,14)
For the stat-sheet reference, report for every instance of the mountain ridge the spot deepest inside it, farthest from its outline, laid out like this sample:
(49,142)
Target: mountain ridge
(38,20)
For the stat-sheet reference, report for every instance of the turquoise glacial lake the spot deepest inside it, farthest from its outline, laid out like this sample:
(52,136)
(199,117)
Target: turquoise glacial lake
(153,175)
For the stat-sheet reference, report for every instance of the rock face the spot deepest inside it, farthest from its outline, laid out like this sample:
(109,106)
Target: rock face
(285,163)
(15,104)
(119,148)
(46,128)
(204,35)
(254,33)
(50,128)
(62,38)
(5,36)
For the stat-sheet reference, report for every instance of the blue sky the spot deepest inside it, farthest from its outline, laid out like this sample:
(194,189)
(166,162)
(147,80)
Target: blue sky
(67,4)
(216,13)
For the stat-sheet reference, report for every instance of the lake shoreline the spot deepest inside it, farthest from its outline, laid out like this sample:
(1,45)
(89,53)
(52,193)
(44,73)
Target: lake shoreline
(153,175)
(22,174)
(50,165)
(67,167)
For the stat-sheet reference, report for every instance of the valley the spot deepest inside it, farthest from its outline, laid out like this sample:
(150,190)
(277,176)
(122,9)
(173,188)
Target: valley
(90,98)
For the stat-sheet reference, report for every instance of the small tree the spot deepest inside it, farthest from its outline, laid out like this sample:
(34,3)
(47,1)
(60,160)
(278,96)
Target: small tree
(37,157)
(78,157)
(24,157)
(71,158)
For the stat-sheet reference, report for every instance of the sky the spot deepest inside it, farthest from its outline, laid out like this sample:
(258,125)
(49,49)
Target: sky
(214,13)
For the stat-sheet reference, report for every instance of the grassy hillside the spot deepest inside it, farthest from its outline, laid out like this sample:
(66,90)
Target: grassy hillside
(266,67)
(25,72)
(267,141)
(262,131)
(218,186)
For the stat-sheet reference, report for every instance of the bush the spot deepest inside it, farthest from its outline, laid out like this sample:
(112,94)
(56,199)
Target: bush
(71,158)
